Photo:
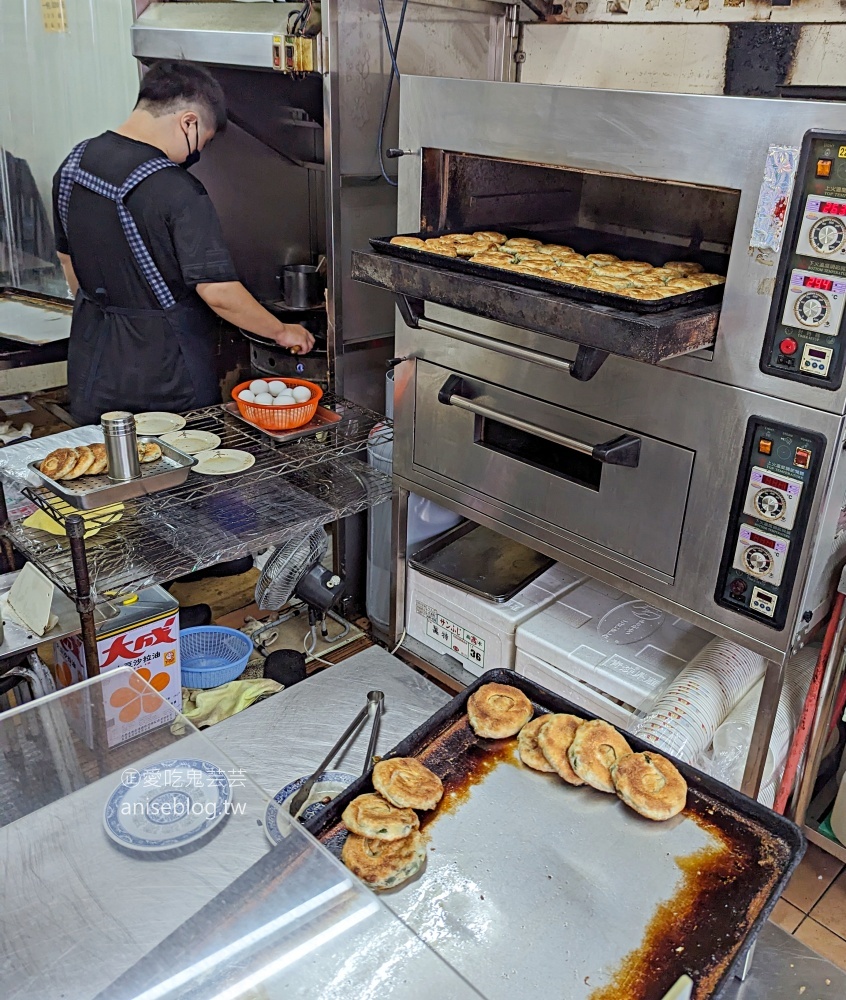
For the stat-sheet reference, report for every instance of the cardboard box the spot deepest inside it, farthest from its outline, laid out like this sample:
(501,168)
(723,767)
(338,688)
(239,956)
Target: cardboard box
(145,637)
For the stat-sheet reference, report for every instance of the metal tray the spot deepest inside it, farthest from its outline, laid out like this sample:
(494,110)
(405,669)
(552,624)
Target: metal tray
(323,420)
(530,881)
(91,492)
(699,297)
(480,561)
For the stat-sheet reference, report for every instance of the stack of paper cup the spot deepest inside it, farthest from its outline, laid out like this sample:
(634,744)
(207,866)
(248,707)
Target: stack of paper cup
(684,719)
(733,738)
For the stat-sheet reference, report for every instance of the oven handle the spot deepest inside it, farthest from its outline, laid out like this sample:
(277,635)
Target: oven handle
(509,350)
(588,359)
(623,450)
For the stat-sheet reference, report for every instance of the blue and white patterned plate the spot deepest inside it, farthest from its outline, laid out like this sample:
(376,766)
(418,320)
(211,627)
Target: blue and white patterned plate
(167,805)
(328,785)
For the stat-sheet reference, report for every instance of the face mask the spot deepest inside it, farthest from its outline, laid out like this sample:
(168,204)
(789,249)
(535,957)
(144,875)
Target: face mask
(193,156)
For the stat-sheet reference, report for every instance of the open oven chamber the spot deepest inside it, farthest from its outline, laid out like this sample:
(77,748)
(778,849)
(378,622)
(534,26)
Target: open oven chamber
(676,466)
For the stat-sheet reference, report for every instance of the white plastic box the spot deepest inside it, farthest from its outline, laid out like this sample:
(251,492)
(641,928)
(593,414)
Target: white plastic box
(624,648)
(581,694)
(477,633)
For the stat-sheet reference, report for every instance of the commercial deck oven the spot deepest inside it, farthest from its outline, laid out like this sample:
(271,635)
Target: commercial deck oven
(692,456)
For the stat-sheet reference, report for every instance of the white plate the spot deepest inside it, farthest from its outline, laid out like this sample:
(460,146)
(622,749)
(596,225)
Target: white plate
(155,423)
(167,805)
(223,462)
(191,442)
(328,785)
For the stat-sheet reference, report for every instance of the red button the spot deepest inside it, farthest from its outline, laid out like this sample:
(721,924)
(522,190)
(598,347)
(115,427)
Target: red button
(788,346)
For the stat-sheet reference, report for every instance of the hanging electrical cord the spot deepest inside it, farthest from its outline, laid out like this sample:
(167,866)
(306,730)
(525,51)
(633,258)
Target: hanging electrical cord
(393,53)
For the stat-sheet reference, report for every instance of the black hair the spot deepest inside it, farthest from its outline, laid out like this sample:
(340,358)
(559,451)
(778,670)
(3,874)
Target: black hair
(169,85)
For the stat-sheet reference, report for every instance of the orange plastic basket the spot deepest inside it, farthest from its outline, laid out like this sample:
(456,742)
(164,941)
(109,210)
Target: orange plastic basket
(279,418)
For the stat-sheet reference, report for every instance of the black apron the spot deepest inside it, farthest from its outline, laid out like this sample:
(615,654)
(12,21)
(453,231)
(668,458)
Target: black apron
(135,359)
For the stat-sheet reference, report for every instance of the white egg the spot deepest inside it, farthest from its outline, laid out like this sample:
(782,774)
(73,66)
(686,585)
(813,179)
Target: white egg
(275,388)
(265,399)
(302,393)
(258,386)
(247,396)
(287,394)
(282,400)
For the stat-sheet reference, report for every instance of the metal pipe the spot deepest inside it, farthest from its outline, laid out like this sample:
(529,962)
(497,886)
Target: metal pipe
(7,552)
(399,553)
(819,727)
(756,759)
(84,601)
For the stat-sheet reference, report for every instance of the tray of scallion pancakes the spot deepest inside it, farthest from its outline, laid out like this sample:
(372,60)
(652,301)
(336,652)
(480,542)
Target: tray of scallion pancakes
(597,277)
(534,846)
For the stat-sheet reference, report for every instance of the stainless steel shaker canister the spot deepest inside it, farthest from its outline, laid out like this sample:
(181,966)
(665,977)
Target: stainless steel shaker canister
(121,442)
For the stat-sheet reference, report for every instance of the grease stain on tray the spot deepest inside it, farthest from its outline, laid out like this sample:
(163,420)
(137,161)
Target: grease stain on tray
(722,887)
(716,892)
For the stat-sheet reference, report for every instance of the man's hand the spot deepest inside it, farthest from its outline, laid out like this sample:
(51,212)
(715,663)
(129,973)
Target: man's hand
(295,337)
(231,301)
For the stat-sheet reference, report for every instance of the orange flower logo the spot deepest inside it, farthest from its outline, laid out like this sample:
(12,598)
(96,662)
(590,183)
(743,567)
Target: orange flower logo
(136,697)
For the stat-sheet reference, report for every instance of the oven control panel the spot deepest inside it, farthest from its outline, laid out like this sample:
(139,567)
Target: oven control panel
(769,518)
(806,333)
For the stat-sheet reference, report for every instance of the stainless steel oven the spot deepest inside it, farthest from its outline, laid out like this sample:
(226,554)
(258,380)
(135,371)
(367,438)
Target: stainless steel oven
(691,457)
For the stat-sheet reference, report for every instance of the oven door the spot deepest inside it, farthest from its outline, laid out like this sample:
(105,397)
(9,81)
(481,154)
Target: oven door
(607,488)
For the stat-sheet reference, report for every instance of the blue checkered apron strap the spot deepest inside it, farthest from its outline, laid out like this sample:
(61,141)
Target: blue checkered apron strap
(142,255)
(72,174)
(67,179)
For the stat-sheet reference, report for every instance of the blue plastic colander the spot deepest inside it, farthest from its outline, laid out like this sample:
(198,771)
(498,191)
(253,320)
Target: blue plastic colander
(212,655)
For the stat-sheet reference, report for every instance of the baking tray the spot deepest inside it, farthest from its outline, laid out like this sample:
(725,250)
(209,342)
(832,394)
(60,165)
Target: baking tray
(91,492)
(323,420)
(480,561)
(699,297)
(531,882)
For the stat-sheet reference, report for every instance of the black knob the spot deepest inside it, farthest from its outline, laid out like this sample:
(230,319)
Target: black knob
(737,587)
(395,154)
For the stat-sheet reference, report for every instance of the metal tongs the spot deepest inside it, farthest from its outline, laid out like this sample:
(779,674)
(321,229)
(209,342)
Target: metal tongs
(372,708)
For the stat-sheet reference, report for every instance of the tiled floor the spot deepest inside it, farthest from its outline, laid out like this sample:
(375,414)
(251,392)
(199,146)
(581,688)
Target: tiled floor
(813,907)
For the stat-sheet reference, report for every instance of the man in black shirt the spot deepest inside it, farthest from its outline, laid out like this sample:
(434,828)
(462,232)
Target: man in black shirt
(142,250)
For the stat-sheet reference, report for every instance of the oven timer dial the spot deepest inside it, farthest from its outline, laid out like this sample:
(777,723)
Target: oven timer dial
(827,235)
(811,308)
(772,497)
(823,229)
(770,504)
(760,554)
(757,560)
(814,302)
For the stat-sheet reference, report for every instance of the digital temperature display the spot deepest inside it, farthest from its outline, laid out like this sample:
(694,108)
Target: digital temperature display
(770,544)
(812,281)
(779,484)
(832,208)
(816,354)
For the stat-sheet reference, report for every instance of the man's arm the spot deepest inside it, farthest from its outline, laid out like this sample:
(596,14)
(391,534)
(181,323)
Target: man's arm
(231,301)
(70,274)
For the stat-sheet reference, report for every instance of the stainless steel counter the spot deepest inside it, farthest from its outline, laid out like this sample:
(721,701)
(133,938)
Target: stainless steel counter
(285,737)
